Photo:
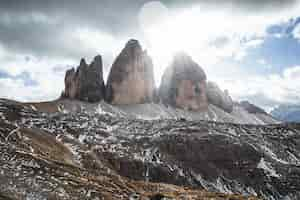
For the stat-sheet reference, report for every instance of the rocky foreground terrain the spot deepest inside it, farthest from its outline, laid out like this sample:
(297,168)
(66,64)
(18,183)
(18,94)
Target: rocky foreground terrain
(50,151)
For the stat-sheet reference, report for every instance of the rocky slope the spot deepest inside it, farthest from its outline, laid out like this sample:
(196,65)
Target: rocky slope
(154,111)
(92,153)
(84,156)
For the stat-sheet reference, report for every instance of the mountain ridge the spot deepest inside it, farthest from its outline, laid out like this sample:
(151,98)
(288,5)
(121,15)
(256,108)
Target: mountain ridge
(184,86)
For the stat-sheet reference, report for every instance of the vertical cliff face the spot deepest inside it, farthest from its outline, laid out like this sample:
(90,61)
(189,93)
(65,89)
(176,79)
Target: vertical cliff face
(183,85)
(131,79)
(86,83)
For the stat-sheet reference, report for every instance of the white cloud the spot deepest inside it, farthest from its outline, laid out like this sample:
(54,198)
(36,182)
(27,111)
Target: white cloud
(94,40)
(254,43)
(17,90)
(195,29)
(292,73)
(278,35)
(264,64)
(269,90)
(49,83)
(262,61)
(296,32)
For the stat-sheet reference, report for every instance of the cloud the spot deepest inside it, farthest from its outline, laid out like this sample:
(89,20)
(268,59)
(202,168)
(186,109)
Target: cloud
(24,76)
(32,79)
(296,32)
(42,28)
(262,61)
(105,13)
(267,91)
(292,73)
(211,36)
(245,5)
(18,90)
(41,36)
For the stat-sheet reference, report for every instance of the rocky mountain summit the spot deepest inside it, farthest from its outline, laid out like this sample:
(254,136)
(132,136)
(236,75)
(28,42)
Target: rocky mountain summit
(184,90)
(183,85)
(86,83)
(131,78)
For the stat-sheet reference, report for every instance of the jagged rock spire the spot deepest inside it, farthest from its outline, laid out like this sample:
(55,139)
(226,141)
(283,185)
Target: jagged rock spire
(86,83)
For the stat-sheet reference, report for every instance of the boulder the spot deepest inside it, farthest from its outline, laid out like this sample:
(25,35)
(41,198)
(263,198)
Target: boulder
(86,83)
(183,84)
(218,97)
(131,78)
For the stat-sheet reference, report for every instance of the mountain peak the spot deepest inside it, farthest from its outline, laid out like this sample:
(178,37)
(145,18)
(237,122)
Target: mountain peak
(86,83)
(131,78)
(132,42)
(183,84)
(82,62)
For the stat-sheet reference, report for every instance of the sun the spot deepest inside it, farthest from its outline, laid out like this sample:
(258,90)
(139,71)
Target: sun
(167,32)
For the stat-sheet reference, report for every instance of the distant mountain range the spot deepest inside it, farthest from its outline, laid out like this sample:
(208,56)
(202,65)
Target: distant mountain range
(287,113)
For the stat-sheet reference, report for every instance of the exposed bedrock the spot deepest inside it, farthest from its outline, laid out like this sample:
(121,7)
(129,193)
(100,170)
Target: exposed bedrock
(86,83)
(183,84)
(131,78)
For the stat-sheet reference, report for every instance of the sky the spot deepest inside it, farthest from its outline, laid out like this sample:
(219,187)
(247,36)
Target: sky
(249,47)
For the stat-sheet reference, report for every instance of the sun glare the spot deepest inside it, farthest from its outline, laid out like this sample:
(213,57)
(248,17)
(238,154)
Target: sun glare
(207,35)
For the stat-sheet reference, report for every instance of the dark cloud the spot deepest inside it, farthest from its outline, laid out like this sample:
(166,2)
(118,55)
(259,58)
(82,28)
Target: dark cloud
(112,15)
(243,5)
(28,36)
(39,27)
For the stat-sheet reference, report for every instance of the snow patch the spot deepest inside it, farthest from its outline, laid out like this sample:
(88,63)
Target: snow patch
(268,168)
(33,107)
(270,153)
(82,138)
(100,111)
(221,187)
